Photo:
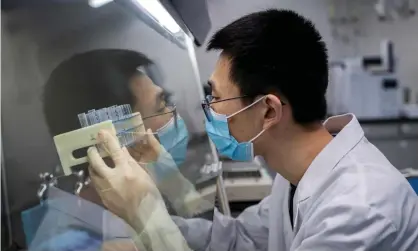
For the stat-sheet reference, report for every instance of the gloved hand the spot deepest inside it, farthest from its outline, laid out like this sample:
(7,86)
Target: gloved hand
(147,148)
(123,187)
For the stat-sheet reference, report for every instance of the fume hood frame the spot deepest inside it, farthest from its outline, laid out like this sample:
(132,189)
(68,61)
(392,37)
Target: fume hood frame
(142,13)
(192,16)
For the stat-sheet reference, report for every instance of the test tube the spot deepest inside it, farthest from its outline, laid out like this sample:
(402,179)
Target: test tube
(113,113)
(83,119)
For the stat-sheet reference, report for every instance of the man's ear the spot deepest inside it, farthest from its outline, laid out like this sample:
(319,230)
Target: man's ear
(273,111)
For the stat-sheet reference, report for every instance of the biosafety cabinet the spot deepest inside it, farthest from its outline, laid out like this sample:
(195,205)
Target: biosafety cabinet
(44,44)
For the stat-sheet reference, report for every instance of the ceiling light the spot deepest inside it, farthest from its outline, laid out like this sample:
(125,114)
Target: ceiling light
(158,12)
(98,3)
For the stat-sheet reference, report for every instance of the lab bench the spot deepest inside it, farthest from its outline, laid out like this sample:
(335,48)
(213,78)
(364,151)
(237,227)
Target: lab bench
(396,138)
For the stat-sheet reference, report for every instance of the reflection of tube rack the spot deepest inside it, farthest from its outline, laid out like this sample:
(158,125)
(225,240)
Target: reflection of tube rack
(118,120)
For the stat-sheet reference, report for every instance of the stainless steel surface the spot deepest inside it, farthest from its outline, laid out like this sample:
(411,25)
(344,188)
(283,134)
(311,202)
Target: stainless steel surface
(398,141)
(402,153)
(381,131)
(391,130)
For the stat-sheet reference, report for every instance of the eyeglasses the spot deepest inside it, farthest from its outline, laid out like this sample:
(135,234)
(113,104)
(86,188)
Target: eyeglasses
(171,109)
(208,101)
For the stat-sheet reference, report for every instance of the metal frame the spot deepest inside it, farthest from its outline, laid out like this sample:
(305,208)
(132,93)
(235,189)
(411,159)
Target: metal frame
(3,188)
(185,41)
(220,186)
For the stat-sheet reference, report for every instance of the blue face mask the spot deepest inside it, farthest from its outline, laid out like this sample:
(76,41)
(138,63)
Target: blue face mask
(227,145)
(174,139)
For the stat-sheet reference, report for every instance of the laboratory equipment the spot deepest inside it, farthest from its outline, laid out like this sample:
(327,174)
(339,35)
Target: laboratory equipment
(247,182)
(396,138)
(242,182)
(410,110)
(366,86)
(389,9)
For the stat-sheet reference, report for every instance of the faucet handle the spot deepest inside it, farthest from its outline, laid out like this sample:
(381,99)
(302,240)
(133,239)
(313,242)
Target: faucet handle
(78,187)
(41,191)
(82,180)
(47,180)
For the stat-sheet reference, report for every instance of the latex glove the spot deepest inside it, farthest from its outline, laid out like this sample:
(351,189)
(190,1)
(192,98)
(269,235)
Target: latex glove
(120,188)
(147,149)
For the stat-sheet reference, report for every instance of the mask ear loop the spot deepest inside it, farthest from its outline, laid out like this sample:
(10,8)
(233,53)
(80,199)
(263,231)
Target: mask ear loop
(245,108)
(258,135)
(174,119)
(262,131)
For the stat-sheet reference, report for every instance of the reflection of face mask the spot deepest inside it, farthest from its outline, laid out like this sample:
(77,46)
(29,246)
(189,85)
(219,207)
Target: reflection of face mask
(227,145)
(175,139)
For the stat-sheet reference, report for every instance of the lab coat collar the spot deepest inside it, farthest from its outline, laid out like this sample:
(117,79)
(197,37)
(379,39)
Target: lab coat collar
(348,134)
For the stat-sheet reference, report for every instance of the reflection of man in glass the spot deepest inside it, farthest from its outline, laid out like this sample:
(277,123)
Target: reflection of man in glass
(103,78)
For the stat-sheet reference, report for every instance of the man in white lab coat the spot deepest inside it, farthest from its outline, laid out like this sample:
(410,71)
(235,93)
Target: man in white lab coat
(334,190)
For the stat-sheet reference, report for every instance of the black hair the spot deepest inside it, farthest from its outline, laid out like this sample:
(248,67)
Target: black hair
(278,52)
(90,80)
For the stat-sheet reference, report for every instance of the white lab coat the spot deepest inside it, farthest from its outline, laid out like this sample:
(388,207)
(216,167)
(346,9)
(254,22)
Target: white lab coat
(350,199)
